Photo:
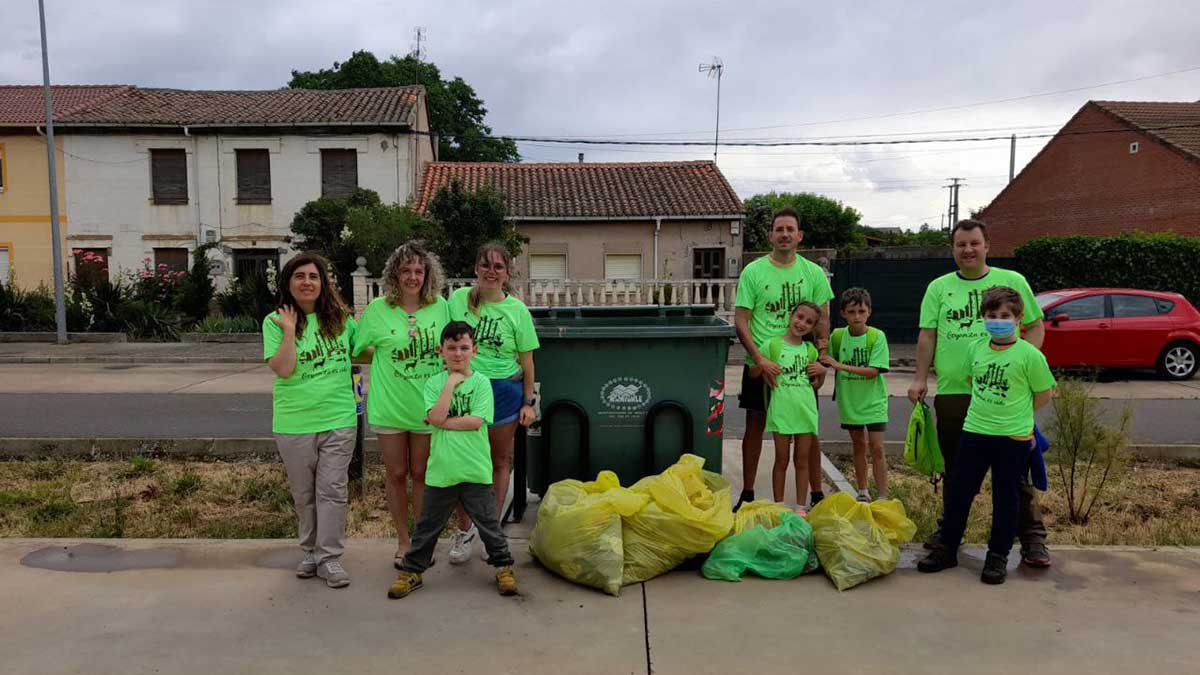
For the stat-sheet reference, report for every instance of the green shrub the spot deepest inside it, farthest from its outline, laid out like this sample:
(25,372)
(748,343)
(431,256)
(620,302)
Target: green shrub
(195,293)
(22,310)
(247,297)
(1088,447)
(1153,262)
(53,511)
(150,321)
(186,484)
(140,466)
(229,324)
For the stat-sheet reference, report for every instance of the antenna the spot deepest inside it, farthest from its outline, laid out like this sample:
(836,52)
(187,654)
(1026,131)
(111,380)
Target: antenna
(420,36)
(715,69)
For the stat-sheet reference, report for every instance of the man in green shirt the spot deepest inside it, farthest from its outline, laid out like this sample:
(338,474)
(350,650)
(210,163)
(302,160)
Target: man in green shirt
(768,289)
(951,323)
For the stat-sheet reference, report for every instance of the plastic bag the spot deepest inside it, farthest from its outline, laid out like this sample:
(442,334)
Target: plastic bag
(921,449)
(782,552)
(890,515)
(688,513)
(578,530)
(758,513)
(852,546)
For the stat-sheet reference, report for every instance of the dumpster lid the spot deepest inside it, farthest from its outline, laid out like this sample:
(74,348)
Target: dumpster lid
(633,321)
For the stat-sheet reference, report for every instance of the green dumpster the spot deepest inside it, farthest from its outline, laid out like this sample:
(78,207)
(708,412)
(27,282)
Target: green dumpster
(626,389)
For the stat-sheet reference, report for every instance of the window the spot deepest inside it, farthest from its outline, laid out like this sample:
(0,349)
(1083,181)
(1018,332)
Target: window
(1164,306)
(1133,305)
(1133,148)
(91,264)
(176,259)
(1091,307)
(168,176)
(251,263)
(5,266)
(548,266)
(253,176)
(623,266)
(339,172)
(708,263)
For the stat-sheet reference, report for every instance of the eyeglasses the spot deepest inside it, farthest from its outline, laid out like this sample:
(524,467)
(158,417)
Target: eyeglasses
(495,267)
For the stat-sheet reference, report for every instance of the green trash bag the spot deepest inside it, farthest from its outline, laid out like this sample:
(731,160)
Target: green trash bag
(783,552)
(921,450)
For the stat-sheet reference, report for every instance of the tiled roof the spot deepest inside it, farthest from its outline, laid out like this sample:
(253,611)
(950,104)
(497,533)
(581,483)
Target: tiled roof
(21,105)
(134,106)
(595,189)
(1152,116)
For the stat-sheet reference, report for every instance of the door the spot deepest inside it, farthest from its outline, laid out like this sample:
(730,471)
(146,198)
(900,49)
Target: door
(251,263)
(1078,333)
(1140,329)
(708,263)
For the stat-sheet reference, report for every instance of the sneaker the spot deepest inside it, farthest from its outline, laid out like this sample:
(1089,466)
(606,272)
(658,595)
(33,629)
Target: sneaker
(746,498)
(815,498)
(461,544)
(307,568)
(1035,555)
(864,497)
(405,583)
(934,540)
(506,581)
(333,573)
(940,558)
(995,569)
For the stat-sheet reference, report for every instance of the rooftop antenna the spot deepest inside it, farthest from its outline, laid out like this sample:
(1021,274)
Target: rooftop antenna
(420,36)
(715,69)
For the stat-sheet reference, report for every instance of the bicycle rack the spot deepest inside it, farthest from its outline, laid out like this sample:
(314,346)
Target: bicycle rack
(689,438)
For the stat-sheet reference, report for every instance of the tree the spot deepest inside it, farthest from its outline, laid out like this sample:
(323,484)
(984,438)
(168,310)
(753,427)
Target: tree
(826,223)
(466,221)
(456,114)
(321,226)
(376,231)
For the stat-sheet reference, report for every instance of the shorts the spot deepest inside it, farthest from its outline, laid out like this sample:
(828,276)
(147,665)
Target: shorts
(382,430)
(507,397)
(876,426)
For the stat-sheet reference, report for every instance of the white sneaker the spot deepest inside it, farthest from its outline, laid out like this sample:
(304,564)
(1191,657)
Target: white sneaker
(333,573)
(307,568)
(461,545)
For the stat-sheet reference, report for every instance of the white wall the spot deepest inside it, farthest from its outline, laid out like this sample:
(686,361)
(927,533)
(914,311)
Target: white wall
(110,194)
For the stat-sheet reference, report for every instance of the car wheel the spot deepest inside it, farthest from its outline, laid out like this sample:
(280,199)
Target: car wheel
(1178,361)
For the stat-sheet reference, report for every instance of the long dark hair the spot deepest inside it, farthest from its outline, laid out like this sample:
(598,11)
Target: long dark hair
(331,311)
(485,252)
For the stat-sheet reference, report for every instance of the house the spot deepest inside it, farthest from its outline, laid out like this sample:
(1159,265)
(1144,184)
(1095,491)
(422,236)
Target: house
(614,221)
(25,239)
(1116,166)
(150,173)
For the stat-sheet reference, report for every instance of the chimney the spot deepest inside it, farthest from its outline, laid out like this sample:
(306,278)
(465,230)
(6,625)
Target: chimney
(581,158)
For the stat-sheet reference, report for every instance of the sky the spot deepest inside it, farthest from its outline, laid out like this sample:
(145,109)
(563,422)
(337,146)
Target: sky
(628,70)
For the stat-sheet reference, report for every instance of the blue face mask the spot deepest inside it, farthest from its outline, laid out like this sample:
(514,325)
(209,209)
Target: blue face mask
(1000,328)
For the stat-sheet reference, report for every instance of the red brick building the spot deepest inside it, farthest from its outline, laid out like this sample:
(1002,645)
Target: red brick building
(1115,167)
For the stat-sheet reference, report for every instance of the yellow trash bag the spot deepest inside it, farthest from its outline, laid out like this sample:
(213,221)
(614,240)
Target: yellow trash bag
(852,547)
(688,513)
(578,530)
(759,513)
(891,516)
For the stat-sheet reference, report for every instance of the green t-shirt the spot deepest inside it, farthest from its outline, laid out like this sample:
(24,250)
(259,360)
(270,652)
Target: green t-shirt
(792,408)
(951,305)
(319,394)
(502,330)
(460,456)
(405,357)
(770,293)
(1002,387)
(861,400)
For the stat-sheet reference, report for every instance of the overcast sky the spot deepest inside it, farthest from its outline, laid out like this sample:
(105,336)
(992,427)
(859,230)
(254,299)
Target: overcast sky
(628,69)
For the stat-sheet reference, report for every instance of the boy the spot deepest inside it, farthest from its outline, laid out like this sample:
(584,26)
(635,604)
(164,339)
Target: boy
(459,405)
(859,355)
(1009,379)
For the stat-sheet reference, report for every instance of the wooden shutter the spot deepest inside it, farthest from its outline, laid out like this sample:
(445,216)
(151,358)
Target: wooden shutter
(168,176)
(5,267)
(622,266)
(548,266)
(339,173)
(176,259)
(253,176)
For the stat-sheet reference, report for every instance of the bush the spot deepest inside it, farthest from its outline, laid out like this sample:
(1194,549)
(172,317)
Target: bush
(466,221)
(186,484)
(22,310)
(1153,262)
(229,324)
(1087,445)
(149,321)
(195,292)
(247,297)
(140,466)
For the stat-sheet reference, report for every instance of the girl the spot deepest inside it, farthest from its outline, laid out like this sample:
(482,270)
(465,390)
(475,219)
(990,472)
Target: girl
(403,328)
(307,343)
(792,405)
(506,339)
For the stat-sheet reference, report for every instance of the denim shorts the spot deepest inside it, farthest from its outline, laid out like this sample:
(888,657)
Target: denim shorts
(507,396)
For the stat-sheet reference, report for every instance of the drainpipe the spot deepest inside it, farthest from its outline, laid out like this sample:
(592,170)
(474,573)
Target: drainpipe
(657,229)
(199,209)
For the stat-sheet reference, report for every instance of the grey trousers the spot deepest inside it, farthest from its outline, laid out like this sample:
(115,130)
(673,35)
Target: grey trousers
(479,501)
(316,466)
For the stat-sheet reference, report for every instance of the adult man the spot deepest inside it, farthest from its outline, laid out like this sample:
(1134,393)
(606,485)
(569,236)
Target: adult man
(768,289)
(950,323)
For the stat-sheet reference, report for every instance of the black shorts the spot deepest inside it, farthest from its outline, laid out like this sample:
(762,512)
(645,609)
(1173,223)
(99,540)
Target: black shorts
(754,393)
(877,426)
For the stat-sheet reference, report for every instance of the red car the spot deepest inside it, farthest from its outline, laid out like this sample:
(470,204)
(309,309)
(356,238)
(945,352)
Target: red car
(1121,328)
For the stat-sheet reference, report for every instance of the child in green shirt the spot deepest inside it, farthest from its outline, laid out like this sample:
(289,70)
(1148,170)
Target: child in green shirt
(459,405)
(859,356)
(1009,380)
(792,405)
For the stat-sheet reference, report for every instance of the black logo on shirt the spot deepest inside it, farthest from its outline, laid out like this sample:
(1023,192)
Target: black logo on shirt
(419,357)
(969,312)
(790,295)
(795,373)
(460,403)
(994,380)
(324,355)
(490,333)
(859,357)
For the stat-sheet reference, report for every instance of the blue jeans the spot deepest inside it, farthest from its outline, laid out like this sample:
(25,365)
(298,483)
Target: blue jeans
(1008,460)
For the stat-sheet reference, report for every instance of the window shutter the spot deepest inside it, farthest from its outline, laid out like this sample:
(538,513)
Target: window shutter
(339,173)
(547,267)
(5,268)
(254,176)
(168,176)
(176,259)
(622,266)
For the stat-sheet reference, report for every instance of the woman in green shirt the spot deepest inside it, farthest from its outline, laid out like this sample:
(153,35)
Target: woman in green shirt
(506,339)
(307,343)
(403,328)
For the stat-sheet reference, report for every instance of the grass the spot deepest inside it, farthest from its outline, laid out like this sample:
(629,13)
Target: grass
(1150,504)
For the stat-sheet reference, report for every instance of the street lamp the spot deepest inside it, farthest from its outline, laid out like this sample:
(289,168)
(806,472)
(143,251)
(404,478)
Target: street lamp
(60,308)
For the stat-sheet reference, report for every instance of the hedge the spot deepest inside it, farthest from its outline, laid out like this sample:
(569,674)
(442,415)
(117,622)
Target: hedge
(1153,262)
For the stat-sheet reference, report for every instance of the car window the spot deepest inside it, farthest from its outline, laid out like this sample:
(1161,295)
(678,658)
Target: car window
(1091,307)
(1164,306)
(1044,299)
(1125,306)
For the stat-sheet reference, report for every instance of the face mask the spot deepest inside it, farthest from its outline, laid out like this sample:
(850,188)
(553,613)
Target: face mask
(999,328)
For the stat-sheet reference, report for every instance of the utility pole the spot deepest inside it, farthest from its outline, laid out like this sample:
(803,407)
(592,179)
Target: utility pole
(955,183)
(715,69)
(1012,157)
(60,307)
